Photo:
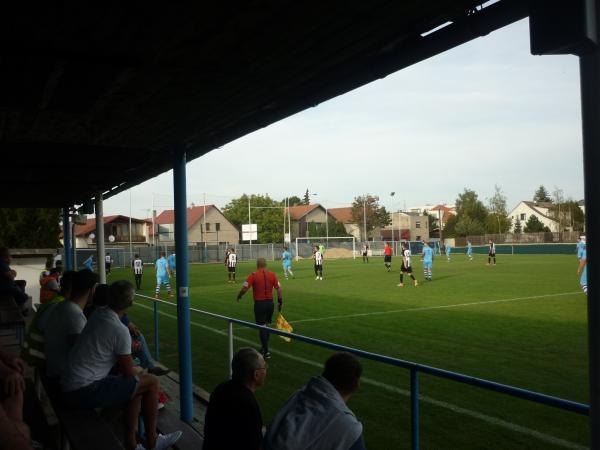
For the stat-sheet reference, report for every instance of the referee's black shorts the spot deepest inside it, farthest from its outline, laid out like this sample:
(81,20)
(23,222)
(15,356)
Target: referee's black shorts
(263,311)
(387,258)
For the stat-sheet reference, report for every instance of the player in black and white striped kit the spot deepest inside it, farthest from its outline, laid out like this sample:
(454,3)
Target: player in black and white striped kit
(406,266)
(231,262)
(138,269)
(492,252)
(318,256)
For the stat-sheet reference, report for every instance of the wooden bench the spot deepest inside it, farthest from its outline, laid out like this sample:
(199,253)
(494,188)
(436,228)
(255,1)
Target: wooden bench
(11,318)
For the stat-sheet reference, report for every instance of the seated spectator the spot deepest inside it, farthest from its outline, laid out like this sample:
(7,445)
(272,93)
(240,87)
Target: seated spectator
(8,284)
(49,285)
(233,420)
(14,432)
(64,323)
(87,383)
(49,265)
(316,416)
(33,350)
(139,347)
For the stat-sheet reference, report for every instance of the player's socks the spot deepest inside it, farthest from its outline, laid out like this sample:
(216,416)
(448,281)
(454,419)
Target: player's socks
(401,278)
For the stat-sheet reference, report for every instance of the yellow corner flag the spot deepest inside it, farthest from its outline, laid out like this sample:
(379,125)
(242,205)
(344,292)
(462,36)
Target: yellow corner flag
(283,325)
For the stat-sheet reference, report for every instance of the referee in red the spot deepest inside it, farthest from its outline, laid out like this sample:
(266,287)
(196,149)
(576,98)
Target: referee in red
(263,282)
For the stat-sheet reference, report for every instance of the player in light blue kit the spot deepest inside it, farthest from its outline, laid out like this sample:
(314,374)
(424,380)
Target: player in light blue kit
(448,250)
(582,270)
(427,257)
(286,261)
(470,250)
(580,247)
(162,275)
(172,265)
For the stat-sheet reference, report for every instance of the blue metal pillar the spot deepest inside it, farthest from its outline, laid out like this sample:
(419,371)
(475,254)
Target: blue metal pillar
(67,251)
(183,300)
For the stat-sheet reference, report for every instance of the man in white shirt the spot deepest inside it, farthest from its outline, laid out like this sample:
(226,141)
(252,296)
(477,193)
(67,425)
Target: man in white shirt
(87,382)
(65,321)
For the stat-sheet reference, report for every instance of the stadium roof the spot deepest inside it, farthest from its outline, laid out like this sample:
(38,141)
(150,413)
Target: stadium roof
(97,98)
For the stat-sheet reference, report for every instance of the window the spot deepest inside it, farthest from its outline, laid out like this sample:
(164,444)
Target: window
(207,227)
(217,226)
(418,238)
(418,225)
(522,216)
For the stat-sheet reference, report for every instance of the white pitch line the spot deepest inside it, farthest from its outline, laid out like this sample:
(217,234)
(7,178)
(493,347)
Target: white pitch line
(429,308)
(425,399)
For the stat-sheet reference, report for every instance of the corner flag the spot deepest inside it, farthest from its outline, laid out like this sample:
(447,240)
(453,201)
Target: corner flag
(283,325)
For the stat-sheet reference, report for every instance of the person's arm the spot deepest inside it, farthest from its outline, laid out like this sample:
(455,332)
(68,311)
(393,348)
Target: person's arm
(11,379)
(126,366)
(279,298)
(12,361)
(133,329)
(245,287)
(13,437)
(359,444)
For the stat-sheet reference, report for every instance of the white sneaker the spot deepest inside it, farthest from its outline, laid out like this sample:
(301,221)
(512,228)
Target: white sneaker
(317,278)
(321,278)
(164,441)
(140,447)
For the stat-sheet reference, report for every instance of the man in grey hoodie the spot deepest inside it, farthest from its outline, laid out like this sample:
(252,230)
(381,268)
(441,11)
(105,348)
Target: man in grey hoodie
(316,417)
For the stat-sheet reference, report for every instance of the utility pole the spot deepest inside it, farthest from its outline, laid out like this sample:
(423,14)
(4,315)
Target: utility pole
(365,216)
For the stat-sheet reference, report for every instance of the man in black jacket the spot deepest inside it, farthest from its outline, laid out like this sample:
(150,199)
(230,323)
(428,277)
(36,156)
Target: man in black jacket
(233,419)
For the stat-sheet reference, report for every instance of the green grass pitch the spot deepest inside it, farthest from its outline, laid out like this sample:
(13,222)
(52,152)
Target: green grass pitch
(522,322)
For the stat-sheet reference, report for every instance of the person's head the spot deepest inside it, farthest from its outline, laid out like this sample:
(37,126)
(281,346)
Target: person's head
(261,263)
(249,367)
(162,254)
(55,272)
(490,241)
(5,254)
(121,295)
(137,256)
(84,283)
(49,263)
(343,371)
(285,248)
(387,244)
(101,295)
(66,283)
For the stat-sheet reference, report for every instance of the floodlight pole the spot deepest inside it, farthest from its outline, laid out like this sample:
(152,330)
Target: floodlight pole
(589,67)
(182,287)
(67,240)
(99,209)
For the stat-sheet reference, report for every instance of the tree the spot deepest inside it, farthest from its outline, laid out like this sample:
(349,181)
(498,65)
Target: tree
(432,220)
(294,200)
(533,225)
(469,205)
(568,214)
(29,227)
(376,215)
(450,227)
(306,199)
(498,220)
(518,229)
(541,195)
(266,213)
(467,226)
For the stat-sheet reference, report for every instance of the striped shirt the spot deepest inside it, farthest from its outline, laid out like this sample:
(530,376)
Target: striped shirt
(138,266)
(492,249)
(318,258)
(231,260)
(406,255)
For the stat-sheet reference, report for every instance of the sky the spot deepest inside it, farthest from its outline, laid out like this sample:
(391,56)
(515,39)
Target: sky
(486,113)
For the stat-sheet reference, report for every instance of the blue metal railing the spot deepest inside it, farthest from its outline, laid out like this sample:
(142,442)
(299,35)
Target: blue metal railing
(414,368)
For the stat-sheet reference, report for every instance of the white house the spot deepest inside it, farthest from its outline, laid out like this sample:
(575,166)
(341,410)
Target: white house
(524,210)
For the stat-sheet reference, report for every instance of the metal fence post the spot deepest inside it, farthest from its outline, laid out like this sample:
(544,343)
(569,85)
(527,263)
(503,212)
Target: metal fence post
(156,340)
(230,346)
(414,408)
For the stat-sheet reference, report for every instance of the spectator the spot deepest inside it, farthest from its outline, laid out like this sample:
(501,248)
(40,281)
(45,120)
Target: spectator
(47,267)
(139,347)
(15,433)
(49,285)
(87,382)
(64,323)
(33,350)
(8,284)
(316,416)
(233,420)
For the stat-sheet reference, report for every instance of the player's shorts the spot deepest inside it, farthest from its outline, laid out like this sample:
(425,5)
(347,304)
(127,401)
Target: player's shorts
(287,265)
(163,279)
(387,258)
(263,311)
(491,255)
(231,269)
(318,267)
(406,269)
(364,253)
(427,264)
(107,265)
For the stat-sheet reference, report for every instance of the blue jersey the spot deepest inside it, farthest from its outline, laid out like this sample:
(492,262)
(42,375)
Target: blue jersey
(469,248)
(448,248)
(286,258)
(580,249)
(161,267)
(427,254)
(171,261)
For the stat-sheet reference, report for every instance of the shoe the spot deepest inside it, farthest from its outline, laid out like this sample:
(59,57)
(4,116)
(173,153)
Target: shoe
(156,297)
(170,295)
(400,285)
(321,278)
(158,371)
(164,441)
(266,355)
(317,278)
(416,283)
(140,447)
(162,400)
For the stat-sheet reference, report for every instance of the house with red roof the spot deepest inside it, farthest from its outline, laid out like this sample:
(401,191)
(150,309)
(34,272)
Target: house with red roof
(205,223)
(344,216)
(306,220)
(116,231)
